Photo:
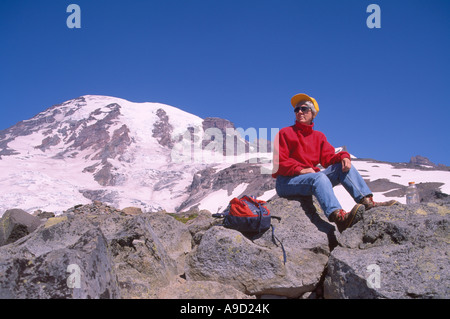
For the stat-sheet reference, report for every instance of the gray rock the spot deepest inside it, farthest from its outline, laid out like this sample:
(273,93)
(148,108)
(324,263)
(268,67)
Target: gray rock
(199,225)
(302,224)
(133,211)
(226,256)
(43,215)
(174,236)
(201,290)
(407,246)
(141,261)
(16,223)
(256,267)
(64,258)
(115,255)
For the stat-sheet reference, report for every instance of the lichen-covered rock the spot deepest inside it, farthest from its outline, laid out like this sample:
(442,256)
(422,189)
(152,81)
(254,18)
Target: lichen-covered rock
(174,236)
(64,258)
(394,252)
(141,261)
(98,251)
(183,289)
(257,267)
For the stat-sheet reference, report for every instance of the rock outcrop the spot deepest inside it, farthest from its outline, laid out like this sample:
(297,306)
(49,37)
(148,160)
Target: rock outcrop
(98,251)
(421,160)
(399,252)
(65,257)
(256,267)
(162,129)
(16,223)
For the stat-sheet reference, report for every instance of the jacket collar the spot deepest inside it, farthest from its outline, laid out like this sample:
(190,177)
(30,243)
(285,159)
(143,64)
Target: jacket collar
(303,128)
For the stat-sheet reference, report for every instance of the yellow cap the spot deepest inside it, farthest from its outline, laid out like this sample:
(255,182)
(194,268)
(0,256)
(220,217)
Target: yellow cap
(303,97)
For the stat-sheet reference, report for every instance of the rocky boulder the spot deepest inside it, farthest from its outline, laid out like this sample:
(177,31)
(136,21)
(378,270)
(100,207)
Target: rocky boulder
(174,236)
(256,267)
(98,251)
(184,289)
(394,252)
(63,258)
(140,259)
(16,223)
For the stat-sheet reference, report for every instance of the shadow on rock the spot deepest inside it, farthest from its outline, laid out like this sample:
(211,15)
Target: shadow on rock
(310,210)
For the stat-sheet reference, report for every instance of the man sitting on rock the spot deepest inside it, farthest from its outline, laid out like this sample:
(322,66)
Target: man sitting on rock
(298,151)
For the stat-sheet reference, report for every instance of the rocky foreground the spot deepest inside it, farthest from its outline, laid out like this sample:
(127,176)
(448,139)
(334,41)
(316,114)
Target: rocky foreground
(97,251)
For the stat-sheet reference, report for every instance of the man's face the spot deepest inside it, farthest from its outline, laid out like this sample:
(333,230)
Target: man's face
(305,116)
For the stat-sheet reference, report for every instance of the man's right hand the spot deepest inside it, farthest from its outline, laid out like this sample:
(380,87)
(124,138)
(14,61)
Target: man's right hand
(307,171)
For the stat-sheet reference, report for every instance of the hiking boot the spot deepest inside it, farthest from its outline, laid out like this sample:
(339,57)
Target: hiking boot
(369,203)
(344,220)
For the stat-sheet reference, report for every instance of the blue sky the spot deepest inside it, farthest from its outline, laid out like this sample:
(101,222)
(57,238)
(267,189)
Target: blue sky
(384,93)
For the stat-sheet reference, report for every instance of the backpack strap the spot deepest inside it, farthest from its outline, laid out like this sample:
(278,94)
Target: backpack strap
(275,238)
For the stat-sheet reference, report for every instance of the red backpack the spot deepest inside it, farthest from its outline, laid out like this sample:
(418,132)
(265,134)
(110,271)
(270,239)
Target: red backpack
(249,216)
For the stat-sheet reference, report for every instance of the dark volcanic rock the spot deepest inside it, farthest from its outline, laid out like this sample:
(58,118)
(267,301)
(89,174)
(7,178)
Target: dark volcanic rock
(101,195)
(92,133)
(216,122)
(162,129)
(106,176)
(48,142)
(383,185)
(421,160)
(232,142)
(116,145)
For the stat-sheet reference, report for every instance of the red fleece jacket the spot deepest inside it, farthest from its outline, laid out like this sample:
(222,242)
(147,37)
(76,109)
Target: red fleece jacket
(301,147)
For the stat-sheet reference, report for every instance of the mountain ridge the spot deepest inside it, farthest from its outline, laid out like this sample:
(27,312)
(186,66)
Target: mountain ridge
(112,148)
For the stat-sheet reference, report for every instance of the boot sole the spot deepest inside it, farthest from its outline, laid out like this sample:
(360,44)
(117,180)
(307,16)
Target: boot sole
(356,216)
(384,204)
(391,203)
(357,213)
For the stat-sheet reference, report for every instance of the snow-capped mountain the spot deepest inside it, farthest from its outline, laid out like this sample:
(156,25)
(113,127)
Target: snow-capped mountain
(153,156)
(108,149)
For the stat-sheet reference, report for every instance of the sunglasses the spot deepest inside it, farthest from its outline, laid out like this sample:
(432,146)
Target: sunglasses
(304,109)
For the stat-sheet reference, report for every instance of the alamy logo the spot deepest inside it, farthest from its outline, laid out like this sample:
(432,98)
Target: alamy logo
(374,19)
(74,280)
(231,145)
(374,276)
(74,20)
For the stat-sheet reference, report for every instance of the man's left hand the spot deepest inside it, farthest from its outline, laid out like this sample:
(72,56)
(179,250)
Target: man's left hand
(346,164)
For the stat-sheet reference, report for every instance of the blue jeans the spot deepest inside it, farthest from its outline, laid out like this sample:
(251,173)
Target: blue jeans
(321,186)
